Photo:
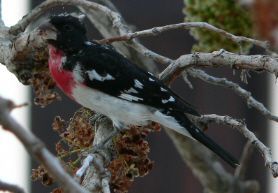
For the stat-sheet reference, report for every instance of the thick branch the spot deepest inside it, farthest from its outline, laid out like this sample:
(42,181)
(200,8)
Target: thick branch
(37,149)
(108,22)
(217,59)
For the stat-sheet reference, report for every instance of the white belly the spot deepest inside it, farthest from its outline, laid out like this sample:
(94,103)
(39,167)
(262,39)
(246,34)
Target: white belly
(119,110)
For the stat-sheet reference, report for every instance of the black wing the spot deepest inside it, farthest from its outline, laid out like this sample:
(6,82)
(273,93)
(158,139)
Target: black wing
(118,77)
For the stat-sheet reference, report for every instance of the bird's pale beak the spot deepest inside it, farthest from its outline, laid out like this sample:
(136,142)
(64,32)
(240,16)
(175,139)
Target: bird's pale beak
(47,31)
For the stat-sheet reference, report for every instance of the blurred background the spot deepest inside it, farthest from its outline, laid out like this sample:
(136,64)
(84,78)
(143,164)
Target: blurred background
(169,174)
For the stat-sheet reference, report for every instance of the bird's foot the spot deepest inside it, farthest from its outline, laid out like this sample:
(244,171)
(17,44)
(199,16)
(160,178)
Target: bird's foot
(102,144)
(118,127)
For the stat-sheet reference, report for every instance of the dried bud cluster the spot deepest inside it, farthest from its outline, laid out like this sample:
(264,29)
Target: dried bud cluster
(43,86)
(75,138)
(41,174)
(79,132)
(132,159)
(131,149)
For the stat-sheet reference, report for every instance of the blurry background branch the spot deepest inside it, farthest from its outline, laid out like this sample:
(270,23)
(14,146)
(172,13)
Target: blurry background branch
(10,188)
(37,149)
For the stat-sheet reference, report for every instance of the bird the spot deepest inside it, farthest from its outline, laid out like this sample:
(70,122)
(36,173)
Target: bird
(101,79)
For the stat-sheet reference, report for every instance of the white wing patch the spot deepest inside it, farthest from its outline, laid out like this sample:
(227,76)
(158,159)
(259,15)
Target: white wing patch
(150,79)
(163,90)
(94,75)
(171,99)
(88,43)
(130,97)
(138,84)
(131,90)
(164,101)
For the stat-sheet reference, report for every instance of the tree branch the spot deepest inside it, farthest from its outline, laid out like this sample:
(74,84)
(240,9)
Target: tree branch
(250,136)
(217,59)
(203,25)
(101,17)
(223,82)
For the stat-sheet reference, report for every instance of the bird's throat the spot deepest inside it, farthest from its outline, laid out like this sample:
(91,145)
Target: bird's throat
(64,79)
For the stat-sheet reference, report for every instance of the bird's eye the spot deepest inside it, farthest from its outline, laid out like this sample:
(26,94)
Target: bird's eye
(68,27)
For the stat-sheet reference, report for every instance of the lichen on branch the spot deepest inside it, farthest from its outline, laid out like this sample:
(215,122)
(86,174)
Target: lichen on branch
(227,15)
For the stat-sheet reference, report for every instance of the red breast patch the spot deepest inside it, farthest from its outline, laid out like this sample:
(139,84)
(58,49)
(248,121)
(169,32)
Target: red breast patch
(64,79)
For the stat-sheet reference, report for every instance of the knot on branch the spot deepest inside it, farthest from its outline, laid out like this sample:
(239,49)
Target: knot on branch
(28,61)
(29,54)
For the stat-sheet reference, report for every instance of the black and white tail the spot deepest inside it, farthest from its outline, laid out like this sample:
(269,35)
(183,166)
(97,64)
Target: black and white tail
(197,134)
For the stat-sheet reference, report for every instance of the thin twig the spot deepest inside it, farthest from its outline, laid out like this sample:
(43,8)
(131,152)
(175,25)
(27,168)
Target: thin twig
(85,165)
(186,25)
(223,82)
(250,136)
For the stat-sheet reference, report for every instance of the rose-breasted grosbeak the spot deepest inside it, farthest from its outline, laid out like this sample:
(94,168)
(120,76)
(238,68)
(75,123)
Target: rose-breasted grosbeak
(101,79)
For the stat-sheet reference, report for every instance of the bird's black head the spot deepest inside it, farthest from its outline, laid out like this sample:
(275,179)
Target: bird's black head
(65,32)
